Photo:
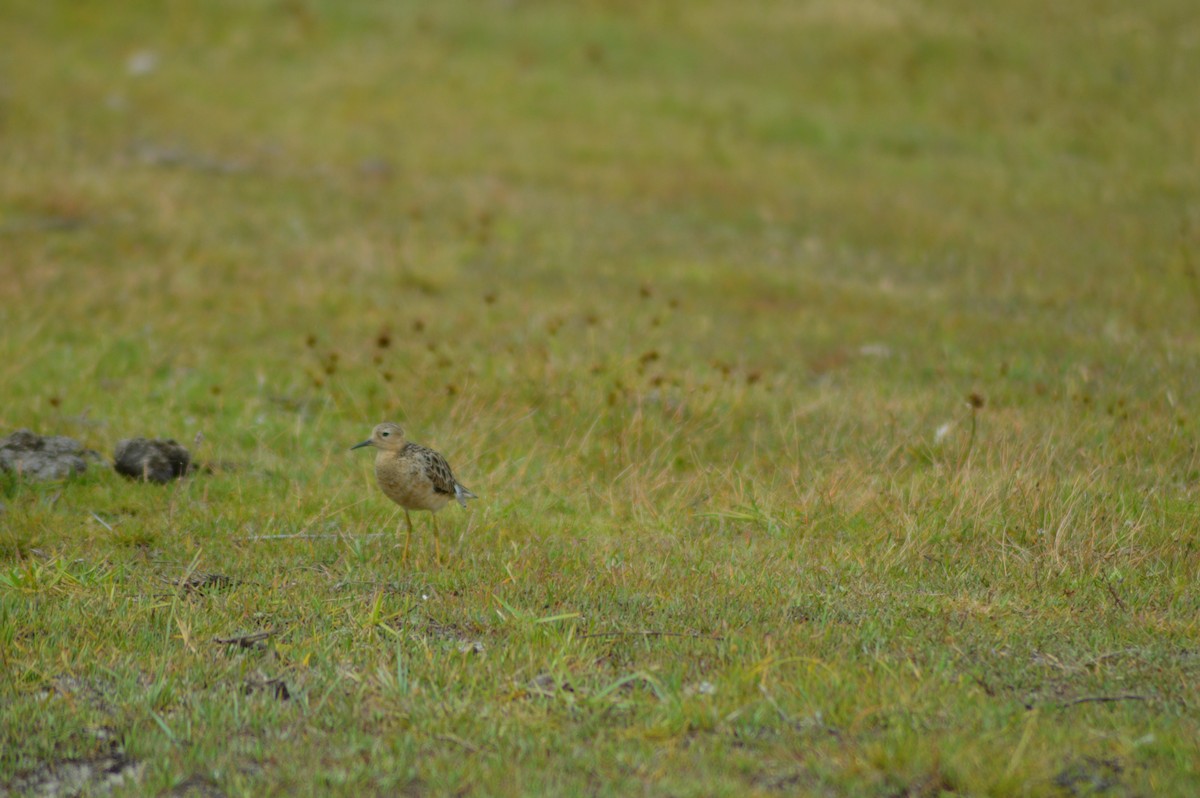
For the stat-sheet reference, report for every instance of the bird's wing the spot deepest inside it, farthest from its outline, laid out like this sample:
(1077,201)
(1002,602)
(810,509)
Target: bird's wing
(436,468)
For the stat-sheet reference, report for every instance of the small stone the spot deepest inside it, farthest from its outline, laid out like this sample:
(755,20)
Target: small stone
(39,458)
(700,688)
(151,459)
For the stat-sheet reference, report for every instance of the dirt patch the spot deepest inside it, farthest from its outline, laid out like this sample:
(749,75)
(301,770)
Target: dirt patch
(1091,776)
(152,459)
(928,785)
(545,685)
(70,777)
(41,458)
(89,691)
(790,782)
(275,687)
(464,639)
(195,786)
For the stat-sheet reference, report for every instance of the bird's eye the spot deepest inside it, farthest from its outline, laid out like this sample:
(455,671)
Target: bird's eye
(385,434)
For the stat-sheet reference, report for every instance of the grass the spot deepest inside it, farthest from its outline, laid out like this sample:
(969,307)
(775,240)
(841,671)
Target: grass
(696,297)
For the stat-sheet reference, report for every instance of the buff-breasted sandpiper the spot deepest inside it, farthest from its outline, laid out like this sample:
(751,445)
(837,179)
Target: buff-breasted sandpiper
(413,476)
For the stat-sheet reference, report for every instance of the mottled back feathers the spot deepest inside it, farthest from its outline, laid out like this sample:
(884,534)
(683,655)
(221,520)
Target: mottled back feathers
(437,470)
(414,476)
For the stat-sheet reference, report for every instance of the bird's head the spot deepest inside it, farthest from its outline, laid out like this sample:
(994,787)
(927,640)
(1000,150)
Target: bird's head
(388,436)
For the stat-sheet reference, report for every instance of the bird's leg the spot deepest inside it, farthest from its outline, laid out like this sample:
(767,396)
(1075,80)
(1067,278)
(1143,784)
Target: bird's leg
(437,544)
(408,537)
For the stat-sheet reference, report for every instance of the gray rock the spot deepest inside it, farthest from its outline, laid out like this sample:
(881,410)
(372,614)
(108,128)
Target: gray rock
(151,459)
(34,457)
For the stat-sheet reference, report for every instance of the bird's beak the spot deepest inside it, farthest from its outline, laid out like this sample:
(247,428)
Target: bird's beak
(367,442)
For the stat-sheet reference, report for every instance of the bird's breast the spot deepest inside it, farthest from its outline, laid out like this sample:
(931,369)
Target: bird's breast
(405,482)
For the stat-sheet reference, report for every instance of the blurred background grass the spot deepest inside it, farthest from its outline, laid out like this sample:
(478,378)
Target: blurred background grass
(976,191)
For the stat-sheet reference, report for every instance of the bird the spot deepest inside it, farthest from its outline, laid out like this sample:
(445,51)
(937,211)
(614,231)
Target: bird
(413,476)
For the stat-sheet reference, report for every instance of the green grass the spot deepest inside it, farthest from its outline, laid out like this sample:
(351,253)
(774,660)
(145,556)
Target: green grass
(693,295)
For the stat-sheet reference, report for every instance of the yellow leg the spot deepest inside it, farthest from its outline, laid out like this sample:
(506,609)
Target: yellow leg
(437,543)
(407,537)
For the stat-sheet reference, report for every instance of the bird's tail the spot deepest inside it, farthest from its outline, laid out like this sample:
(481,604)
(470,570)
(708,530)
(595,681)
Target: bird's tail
(462,494)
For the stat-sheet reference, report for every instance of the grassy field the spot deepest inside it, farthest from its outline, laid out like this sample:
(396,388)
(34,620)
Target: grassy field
(829,373)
